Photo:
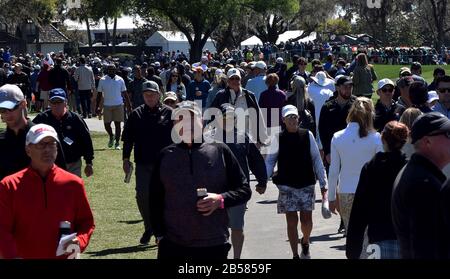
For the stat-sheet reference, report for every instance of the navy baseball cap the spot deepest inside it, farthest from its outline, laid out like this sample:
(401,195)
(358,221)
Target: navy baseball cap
(57,93)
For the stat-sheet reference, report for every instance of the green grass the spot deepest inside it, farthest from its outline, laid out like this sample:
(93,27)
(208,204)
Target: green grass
(119,225)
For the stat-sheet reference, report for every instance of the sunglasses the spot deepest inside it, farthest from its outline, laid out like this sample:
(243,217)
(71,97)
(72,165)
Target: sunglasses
(56,102)
(3,110)
(292,116)
(234,78)
(175,76)
(389,89)
(443,90)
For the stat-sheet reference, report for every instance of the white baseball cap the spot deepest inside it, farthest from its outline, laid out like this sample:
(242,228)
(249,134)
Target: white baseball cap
(261,65)
(10,96)
(280,60)
(233,72)
(432,96)
(382,83)
(289,110)
(39,132)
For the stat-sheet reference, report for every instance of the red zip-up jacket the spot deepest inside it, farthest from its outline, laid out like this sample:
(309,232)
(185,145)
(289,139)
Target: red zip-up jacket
(31,210)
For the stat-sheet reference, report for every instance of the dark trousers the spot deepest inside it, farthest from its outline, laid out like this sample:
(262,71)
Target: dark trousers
(85,100)
(169,250)
(143,177)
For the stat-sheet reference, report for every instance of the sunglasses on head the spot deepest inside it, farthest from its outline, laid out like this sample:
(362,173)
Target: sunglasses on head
(443,90)
(4,110)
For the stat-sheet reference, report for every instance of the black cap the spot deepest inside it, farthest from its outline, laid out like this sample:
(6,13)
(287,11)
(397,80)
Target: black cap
(344,80)
(429,123)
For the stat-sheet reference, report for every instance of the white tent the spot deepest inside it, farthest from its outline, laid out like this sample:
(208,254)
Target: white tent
(286,36)
(173,41)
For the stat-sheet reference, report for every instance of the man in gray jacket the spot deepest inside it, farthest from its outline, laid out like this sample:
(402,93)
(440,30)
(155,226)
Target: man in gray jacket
(186,225)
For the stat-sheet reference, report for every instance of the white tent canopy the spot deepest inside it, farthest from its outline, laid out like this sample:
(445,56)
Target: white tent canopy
(173,41)
(123,23)
(286,36)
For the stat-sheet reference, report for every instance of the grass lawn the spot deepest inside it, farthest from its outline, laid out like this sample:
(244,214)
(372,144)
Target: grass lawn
(118,223)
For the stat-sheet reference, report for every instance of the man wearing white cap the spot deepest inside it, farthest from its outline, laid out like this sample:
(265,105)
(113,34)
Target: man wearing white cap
(257,85)
(297,189)
(30,217)
(386,108)
(13,112)
(245,100)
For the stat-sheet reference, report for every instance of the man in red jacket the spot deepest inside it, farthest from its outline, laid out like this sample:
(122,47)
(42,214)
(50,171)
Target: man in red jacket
(34,201)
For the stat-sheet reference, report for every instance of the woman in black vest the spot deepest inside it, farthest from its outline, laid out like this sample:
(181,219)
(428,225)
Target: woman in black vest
(299,166)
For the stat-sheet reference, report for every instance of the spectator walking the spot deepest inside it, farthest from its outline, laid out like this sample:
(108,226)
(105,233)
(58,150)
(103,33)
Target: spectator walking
(372,204)
(27,212)
(297,190)
(194,228)
(416,210)
(73,133)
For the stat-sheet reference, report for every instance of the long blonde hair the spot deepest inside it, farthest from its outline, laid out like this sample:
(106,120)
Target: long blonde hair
(409,116)
(362,112)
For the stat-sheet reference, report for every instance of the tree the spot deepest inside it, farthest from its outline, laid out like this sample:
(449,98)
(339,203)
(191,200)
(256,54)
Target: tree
(197,20)
(271,18)
(15,12)
(433,16)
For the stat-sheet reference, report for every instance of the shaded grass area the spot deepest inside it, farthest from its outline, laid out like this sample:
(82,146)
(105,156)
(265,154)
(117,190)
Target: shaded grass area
(118,223)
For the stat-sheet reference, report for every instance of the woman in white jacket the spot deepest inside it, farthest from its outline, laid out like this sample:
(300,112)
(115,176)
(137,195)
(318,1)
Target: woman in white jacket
(351,148)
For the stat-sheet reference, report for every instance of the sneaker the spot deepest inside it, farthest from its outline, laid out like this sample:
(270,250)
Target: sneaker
(296,257)
(111,143)
(117,145)
(341,227)
(305,250)
(145,239)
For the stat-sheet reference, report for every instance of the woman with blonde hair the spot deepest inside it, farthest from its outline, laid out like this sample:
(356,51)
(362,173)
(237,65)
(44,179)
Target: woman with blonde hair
(363,77)
(408,118)
(371,208)
(351,148)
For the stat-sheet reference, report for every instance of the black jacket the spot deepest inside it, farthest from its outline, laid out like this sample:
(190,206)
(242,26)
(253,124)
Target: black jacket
(14,158)
(71,128)
(333,118)
(246,153)
(59,78)
(416,210)
(224,96)
(178,172)
(445,205)
(372,204)
(384,115)
(148,131)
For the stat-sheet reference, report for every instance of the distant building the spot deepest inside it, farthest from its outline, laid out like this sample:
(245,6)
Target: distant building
(31,38)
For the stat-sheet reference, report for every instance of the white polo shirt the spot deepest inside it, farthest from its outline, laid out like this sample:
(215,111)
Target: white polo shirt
(112,90)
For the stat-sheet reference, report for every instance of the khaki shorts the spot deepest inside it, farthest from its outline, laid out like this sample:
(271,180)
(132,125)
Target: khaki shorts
(113,113)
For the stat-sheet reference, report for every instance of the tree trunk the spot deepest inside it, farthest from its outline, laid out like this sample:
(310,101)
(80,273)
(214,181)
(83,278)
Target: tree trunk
(106,35)
(88,29)
(195,53)
(114,39)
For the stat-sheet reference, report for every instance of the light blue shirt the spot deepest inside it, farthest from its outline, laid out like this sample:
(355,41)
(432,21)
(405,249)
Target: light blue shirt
(440,108)
(257,85)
